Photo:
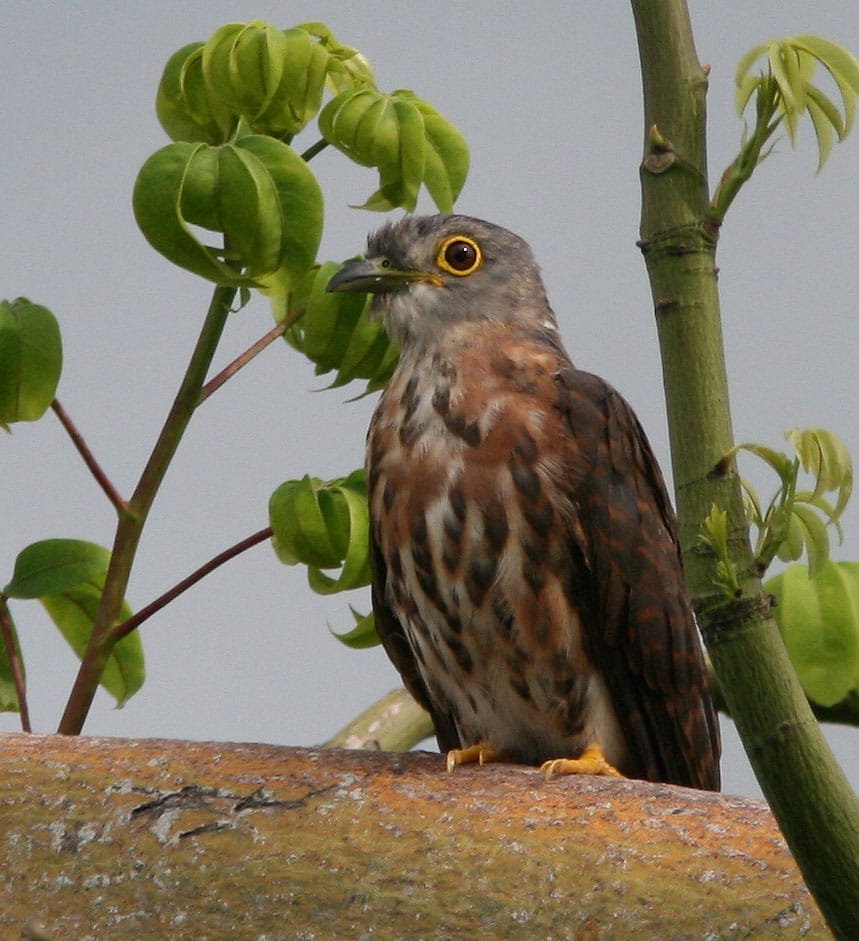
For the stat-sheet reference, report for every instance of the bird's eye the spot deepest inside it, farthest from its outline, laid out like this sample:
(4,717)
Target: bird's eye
(459,255)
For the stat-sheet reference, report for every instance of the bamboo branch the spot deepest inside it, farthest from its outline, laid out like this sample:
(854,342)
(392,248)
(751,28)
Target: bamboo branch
(809,794)
(393,723)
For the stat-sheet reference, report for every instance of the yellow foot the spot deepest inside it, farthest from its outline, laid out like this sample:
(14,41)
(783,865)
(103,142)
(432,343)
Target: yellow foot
(591,761)
(481,753)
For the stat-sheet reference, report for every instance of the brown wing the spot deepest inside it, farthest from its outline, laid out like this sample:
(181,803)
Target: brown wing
(400,653)
(641,632)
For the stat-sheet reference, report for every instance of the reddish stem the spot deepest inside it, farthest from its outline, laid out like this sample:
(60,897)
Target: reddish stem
(126,627)
(89,459)
(229,371)
(8,633)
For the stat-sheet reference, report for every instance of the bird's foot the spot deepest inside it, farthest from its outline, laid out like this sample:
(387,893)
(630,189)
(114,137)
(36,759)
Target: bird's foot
(481,753)
(591,761)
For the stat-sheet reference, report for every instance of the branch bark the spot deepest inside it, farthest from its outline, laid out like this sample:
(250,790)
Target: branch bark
(120,838)
(807,791)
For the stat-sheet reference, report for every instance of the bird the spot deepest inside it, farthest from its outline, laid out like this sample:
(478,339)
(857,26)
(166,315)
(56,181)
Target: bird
(526,575)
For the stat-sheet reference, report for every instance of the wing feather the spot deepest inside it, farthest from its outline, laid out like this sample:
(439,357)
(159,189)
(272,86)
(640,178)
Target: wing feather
(642,632)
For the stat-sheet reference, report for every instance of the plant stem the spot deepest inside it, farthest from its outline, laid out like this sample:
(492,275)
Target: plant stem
(314,149)
(807,791)
(133,516)
(126,627)
(89,458)
(7,629)
(239,362)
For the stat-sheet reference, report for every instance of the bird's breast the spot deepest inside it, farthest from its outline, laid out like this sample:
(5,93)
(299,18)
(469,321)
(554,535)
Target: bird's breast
(469,466)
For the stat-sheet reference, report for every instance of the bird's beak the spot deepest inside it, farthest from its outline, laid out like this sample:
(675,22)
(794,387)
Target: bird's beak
(375,276)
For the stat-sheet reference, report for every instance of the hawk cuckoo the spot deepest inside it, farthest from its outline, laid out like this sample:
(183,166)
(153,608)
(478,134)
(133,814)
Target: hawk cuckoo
(526,575)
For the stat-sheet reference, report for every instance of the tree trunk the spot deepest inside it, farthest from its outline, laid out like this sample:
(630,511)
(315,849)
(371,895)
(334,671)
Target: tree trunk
(116,838)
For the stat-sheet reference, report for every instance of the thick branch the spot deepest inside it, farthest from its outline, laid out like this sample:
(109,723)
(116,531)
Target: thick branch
(156,839)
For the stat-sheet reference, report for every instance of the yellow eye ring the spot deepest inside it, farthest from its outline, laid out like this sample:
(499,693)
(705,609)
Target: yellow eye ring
(459,255)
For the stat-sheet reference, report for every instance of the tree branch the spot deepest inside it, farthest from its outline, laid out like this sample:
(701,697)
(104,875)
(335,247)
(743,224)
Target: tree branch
(157,839)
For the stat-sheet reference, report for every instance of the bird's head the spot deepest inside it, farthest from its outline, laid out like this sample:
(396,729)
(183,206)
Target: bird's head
(430,274)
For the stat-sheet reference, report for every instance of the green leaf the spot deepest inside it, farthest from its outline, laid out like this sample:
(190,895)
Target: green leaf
(364,635)
(56,565)
(243,65)
(347,67)
(819,620)
(299,95)
(299,202)
(823,454)
(714,533)
(248,209)
(841,65)
(300,531)
(73,611)
(186,108)
(336,332)
(788,76)
(786,92)
(162,196)
(67,576)
(405,138)
(745,64)
(323,526)
(814,536)
(822,123)
(446,158)
(258,193)
(350,500)
(31,360)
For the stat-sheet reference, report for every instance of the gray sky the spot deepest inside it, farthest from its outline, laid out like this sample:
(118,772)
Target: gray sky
(549,100)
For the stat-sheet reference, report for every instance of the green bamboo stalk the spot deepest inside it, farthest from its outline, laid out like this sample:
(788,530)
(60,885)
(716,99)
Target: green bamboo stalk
(393,723)
(132,516)
(809,795)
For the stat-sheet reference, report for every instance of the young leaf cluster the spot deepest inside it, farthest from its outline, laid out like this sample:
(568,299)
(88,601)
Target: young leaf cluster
(782,92)
(231,200)
(795,520)
(232,106)
(324,526)
(407,140)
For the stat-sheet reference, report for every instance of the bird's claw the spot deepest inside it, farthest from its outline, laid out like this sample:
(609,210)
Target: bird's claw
(481,753)
(591,761)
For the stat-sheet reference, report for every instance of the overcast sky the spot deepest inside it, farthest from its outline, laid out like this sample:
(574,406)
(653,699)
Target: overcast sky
(548,96)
